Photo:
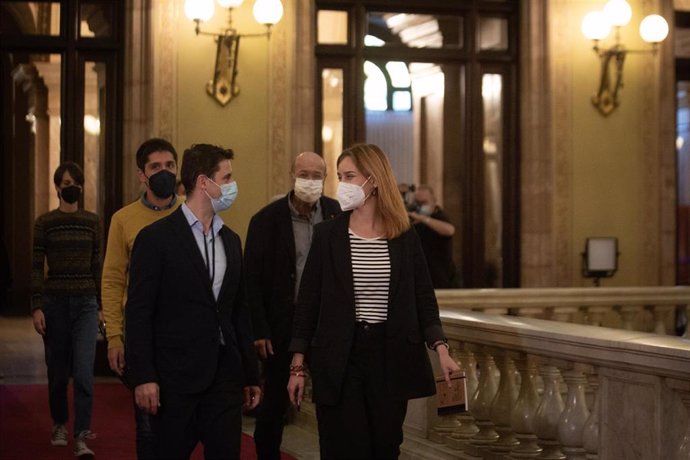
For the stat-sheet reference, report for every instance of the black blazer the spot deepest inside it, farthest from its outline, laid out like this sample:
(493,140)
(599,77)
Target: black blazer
(269,256)
(325,314)
(172,317)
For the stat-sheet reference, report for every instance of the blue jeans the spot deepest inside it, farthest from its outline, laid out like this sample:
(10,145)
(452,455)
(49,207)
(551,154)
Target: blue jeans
(70,350)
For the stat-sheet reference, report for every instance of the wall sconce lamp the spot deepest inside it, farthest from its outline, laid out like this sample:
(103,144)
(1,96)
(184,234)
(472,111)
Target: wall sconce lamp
(596,26)
(223,87)
(600,259)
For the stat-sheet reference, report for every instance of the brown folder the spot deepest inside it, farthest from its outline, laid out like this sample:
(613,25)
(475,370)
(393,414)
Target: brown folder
(453,399)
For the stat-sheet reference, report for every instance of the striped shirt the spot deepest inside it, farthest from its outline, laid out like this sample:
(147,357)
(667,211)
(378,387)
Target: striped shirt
(371,273)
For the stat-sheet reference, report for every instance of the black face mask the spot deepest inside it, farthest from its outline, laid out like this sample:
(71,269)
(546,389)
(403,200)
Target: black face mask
(70,194)
(162,184)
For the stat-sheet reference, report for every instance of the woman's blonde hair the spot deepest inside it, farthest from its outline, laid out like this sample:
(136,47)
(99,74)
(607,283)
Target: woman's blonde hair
(371,161)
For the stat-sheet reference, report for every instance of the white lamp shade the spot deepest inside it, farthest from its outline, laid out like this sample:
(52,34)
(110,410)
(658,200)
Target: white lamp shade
(268,12)
(230,3)
(595,26)
(602,254)
(653,28)
(199,9)
(618,12)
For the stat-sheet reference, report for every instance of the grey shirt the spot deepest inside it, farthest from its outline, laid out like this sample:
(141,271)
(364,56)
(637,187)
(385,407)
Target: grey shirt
(303,228)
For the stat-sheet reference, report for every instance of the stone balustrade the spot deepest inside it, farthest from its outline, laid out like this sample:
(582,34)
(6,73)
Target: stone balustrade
(648,309)
(543,389)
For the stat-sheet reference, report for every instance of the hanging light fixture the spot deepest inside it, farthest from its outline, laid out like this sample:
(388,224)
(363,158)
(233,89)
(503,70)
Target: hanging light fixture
(596,26)
(223,86)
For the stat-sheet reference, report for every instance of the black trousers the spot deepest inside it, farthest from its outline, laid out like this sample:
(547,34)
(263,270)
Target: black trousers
(366,423)
(146,440)
(212,417)
(270,419)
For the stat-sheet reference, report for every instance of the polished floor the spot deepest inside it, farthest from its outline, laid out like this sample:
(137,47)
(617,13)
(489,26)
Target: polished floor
(21,362)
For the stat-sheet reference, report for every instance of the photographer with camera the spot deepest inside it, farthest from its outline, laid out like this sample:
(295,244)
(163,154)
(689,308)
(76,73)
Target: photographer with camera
(436,232)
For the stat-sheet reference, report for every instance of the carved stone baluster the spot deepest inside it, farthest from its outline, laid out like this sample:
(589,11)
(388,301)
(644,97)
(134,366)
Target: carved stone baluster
(523,415)
(468,428)
(503,405)
(447,424)
(530,312)
(661,314)
(574,416)
(629,314)
(590,432)
(481,405)
(548,413)
(596,313)
(564,314)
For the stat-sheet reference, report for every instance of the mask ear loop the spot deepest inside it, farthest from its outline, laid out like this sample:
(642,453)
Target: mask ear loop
(206,190)
(214,183)
(373,192)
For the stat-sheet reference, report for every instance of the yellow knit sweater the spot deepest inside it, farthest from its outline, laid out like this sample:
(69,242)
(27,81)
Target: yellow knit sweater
(124,228)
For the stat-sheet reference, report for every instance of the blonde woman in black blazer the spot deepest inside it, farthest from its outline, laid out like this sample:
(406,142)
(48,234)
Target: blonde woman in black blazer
(366,307)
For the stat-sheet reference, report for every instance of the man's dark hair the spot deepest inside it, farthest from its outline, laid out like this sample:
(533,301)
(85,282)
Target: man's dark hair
(73,169)
(202,160)
(153,145)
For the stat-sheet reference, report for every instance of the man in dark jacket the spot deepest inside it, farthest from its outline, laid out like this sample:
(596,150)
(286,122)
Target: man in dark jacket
(190,353)
(278,241)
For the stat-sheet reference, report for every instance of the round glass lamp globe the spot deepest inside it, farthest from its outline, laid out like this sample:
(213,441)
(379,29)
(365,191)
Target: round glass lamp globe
(230,3)
(595,26)
(653,28)
(618,12)
(268,12)
(201,10)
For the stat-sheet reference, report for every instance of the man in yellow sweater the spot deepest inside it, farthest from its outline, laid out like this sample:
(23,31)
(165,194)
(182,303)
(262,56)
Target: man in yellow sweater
(157,171)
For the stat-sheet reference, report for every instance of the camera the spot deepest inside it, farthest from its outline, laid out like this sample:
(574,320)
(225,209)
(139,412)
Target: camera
(412,207)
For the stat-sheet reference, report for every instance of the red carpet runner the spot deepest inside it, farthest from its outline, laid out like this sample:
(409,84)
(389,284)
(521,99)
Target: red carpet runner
(25,425)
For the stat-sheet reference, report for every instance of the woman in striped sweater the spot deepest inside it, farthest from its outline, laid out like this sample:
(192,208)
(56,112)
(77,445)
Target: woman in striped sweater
(366,307)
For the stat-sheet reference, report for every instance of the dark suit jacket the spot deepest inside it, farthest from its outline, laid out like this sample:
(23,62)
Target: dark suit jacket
(269,256)
(172,317)
(325,314)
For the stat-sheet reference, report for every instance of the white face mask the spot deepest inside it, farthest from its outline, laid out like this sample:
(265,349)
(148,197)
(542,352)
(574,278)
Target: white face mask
(351,196)
(308,190)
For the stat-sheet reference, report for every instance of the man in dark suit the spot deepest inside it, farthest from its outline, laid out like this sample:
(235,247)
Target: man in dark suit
(188,334)
(278,242)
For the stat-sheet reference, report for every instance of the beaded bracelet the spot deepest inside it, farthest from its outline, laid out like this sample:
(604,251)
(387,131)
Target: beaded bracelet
(298,374)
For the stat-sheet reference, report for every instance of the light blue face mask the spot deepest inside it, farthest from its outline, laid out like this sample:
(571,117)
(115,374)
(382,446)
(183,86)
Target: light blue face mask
(228,194)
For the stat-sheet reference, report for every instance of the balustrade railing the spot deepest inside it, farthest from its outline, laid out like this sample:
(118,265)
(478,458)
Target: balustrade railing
(648,309)
(551,390)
